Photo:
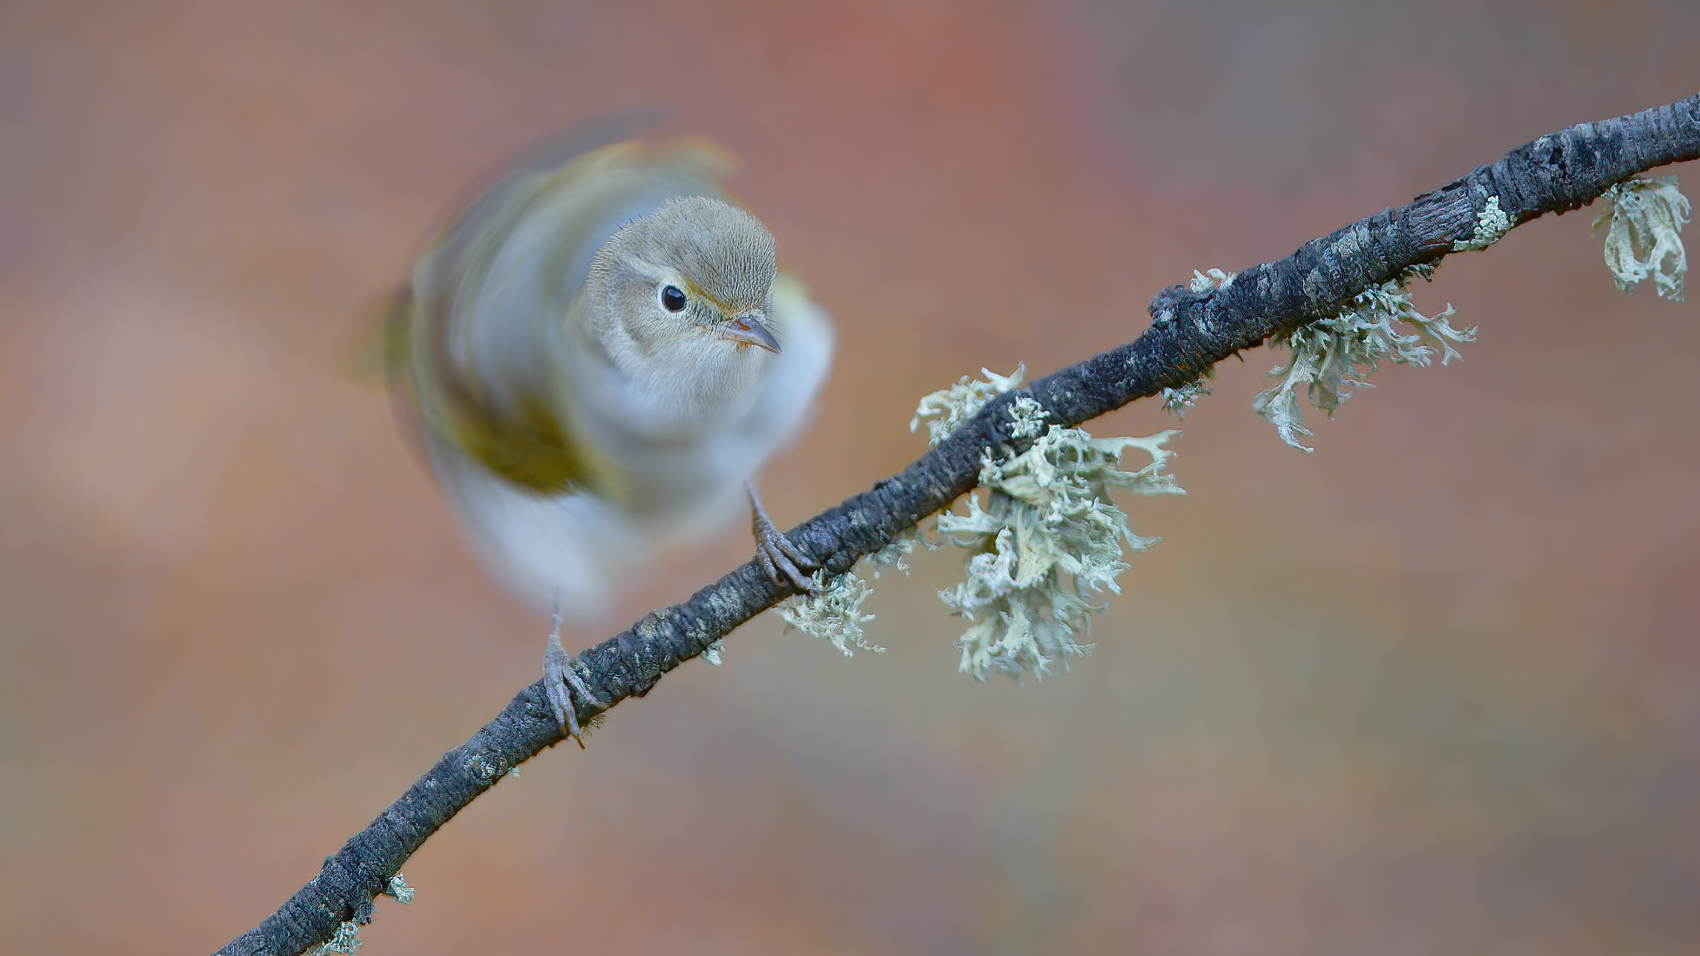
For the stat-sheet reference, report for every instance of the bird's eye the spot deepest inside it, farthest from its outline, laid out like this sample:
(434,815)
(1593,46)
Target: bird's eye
(672,299)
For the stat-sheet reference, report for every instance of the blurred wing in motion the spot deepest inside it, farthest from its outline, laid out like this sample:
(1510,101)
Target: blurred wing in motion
(546,498)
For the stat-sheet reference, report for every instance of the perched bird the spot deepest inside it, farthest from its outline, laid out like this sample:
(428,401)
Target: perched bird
(598,357)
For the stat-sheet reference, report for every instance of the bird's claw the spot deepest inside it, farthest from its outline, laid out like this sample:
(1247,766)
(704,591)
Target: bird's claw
(775,552)
(781,559)
(561,681)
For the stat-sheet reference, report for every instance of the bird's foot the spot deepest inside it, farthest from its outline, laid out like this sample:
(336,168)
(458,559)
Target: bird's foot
(777,555)
(561,681)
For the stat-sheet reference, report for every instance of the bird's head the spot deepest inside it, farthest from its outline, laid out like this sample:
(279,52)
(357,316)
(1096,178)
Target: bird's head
(682,301)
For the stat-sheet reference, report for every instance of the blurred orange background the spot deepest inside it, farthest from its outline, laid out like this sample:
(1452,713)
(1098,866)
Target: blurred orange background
(1427,690)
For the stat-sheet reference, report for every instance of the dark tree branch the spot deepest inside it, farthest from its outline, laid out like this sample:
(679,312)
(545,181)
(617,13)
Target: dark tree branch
(1190,332)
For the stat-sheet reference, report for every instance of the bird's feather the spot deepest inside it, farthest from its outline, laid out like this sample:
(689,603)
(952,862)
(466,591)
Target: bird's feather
(561,480)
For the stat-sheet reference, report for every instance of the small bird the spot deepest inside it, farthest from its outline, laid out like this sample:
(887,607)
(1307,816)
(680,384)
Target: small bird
(597,358)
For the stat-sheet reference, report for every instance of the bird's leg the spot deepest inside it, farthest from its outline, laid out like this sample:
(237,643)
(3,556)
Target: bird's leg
(778,557)
(561,680)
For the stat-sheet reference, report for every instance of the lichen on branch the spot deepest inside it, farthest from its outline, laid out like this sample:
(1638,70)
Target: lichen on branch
(1645,235)
(832,611)
(962,401)
(1048,537)
(1334,356)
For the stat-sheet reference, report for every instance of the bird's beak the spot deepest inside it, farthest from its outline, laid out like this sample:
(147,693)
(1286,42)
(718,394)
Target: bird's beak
(748,330)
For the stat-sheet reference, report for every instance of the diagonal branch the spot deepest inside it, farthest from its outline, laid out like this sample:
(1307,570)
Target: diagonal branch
(1190,332)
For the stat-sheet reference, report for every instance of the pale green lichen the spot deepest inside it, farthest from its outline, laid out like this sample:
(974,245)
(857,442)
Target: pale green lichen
(488,768)
(397,888)
(832,611)
(896,554)
(962,401)
(1422,270)
(712,652)
(1048,536)
(1210,279)
(1491,225)
(1027,418)
(1645,238)
(1333,357)
(344,943)
(1179,401)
